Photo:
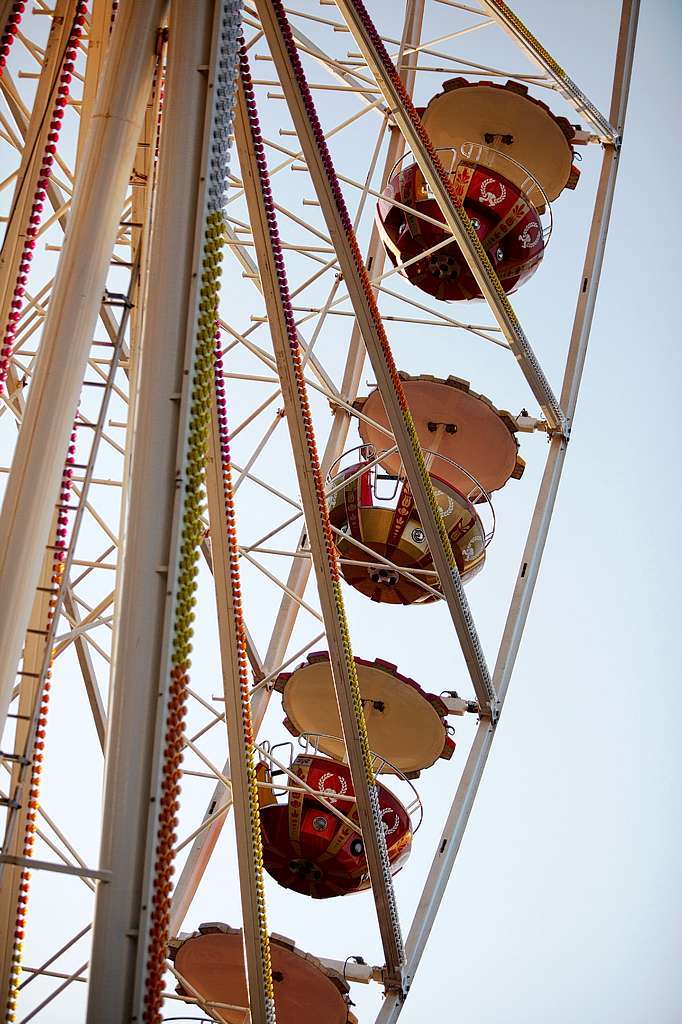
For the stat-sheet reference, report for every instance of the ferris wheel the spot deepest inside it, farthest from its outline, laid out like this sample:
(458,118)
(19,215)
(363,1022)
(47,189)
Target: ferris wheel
(265,404)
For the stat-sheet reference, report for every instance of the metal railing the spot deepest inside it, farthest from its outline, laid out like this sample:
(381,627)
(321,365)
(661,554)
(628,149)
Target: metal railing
(487,156)
(476,495)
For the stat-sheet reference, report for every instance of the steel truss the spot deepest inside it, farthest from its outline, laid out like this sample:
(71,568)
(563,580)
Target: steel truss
(104,426)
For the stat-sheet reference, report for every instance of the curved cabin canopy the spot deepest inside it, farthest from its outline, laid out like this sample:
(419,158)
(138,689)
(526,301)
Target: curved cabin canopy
(405,725)
(211,961)
(471,441)
(508,157)
(505,119)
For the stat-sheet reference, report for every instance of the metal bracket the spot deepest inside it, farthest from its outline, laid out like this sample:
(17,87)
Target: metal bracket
(61,869)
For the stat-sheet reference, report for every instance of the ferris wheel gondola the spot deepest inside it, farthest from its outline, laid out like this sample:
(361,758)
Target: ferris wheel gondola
(379,535)
(312,841)
(507,157)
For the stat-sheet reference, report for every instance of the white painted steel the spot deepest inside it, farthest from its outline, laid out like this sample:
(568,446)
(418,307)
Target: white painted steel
(563,83)
(512,637)
(141,639)
(33,483)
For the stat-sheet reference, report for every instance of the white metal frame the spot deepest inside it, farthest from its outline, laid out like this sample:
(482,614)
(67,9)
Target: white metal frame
(88,610)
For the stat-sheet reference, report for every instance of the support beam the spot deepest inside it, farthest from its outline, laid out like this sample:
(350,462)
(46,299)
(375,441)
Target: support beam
(35,139)
(87,670)
(60,869)
(240,745)
(98,43)
(54,193)
(441,868)
(587,297)
(71,319)
(204,844)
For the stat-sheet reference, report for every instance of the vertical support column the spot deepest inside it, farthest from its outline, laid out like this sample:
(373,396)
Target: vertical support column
(33,484)
(152,636)
(35,140)
(98,44)
(240,733)
(283,332)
